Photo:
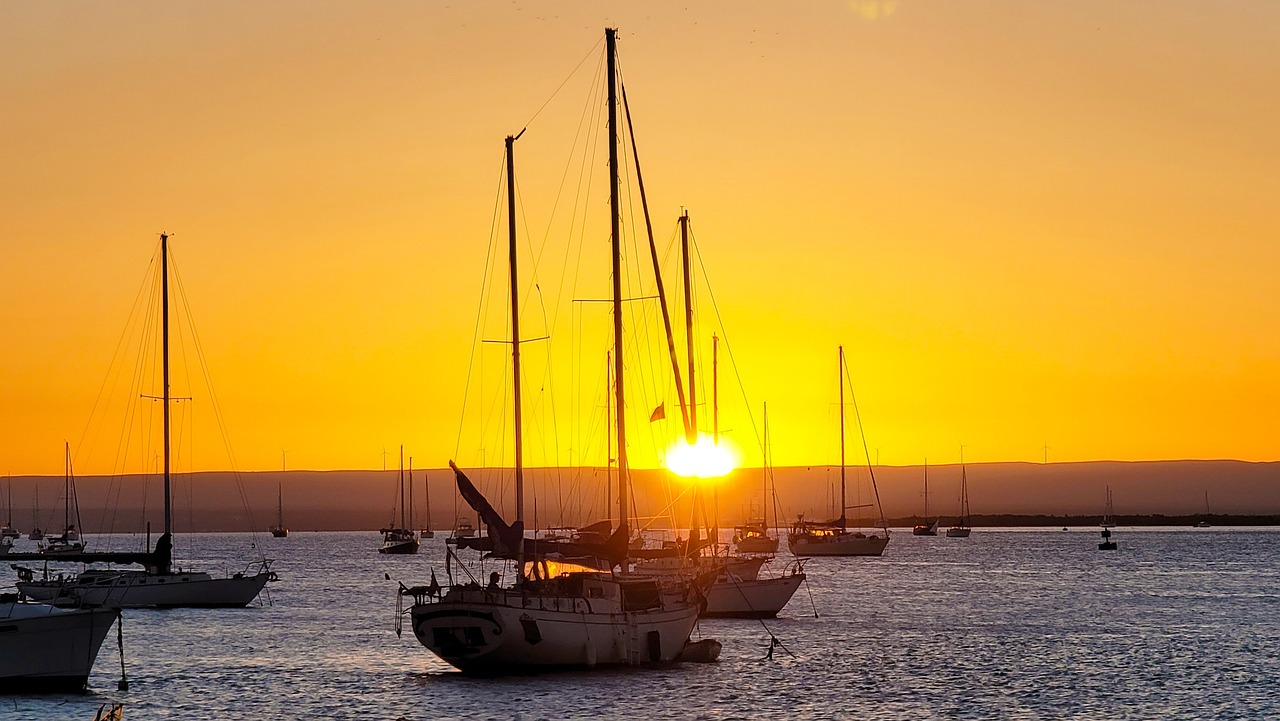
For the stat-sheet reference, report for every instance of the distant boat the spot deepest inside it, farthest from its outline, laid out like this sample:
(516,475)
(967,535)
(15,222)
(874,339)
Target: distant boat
(36,533)
(753,535)
(1108,520)
(961,529)
(1204,523)
(280,530)
(48,649)
(926,528)
(426,531)
(1107,524)
(7,530)
(400,539)
(69,541)
(834,538)
(462,528)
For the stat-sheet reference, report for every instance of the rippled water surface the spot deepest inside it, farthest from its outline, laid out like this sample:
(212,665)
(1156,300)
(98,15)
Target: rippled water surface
(1178,623)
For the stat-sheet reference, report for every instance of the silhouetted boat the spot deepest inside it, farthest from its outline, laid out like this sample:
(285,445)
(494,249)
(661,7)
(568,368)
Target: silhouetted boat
(566,609)
(69,541)
(48,649)
(280,530)
(926,528)
(834,538)
(1204,523)
(753,535)
(401,539)
(1107,524)
(961,529)
(159,584)
(7,530)
(37,534)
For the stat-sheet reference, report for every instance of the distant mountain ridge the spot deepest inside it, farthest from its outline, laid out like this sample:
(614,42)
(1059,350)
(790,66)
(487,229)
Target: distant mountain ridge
(362,500)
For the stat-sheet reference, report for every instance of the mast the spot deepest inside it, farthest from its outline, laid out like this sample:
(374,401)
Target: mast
(840,372)
(517,439)
(764,466)
(608,437)
(164,324)
(411,523)
(715,388)
(615,209)
(402,487)
(426,490)
(692,433)
(280,506)
(926,491)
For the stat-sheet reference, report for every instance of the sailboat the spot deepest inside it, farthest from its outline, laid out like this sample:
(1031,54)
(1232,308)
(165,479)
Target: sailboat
(159,584)
(834,538)
(961,529)
(401,539)
(37,534)
(1107,524)
(926,528)
(735,593)
(7,530)
(44,649)
(1204,522)
(753,535)
(280,530)
(69,541)
(426,531)
(581,614)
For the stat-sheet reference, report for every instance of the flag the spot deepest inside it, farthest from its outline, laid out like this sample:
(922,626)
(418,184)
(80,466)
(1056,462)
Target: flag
(434,588)
(658,413)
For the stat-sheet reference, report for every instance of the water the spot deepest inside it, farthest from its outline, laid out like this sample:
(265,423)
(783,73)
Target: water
(1021,624)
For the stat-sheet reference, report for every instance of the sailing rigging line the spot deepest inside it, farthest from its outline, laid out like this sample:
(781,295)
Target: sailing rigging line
(564,82)
(478,327)
(862,432)
(185,307)
(733,361)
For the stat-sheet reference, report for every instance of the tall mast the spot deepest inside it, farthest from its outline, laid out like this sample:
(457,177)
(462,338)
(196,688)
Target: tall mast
(411,524)
(689,431)
(402,488)
(715,388)
(164,324)
(518,438)
(608,437)
(66,485)
(764,466)
(615,209)
(692,434)
(840,372)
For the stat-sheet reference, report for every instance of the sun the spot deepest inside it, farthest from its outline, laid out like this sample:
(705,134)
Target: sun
(704,459)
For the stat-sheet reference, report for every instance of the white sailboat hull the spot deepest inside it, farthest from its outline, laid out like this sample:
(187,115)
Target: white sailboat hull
(761,598)
(43,648)
(958,532)
(138,589)
(848,544)
(501,631)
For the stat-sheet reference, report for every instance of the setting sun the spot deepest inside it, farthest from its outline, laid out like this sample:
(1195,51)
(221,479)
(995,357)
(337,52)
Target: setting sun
(704,459)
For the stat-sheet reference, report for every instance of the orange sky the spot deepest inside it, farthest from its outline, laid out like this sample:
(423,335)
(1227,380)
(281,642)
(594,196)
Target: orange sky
(1028,223)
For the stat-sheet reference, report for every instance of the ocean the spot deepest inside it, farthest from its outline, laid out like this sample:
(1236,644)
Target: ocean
(1007,624)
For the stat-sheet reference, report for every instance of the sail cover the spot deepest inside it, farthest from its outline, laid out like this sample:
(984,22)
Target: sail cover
(506,538)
